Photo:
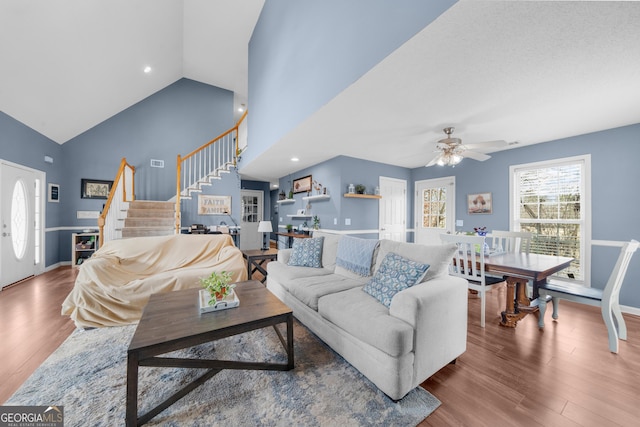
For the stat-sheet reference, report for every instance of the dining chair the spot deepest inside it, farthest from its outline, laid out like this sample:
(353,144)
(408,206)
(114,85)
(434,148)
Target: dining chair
(469,264)
(607,299)
(511,241)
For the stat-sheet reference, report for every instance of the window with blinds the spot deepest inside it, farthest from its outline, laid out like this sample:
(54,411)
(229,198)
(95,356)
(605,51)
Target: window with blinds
(550,201)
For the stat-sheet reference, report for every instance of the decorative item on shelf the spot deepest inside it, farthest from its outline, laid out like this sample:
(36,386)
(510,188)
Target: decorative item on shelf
(264,227)
(318,187)
(289,228)
(360,189)
(316,222)
(218,285)
(352,189)
(290,190)
(281,195)
(377,191)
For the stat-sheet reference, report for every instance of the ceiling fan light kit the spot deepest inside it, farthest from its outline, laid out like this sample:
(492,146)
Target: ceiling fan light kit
(451,151)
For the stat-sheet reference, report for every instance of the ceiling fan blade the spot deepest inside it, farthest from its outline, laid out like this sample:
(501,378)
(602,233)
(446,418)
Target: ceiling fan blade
(434,160)
(481,157)
(487,144)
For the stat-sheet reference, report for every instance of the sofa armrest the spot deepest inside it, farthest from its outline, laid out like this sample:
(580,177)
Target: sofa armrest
(284,255)
(437,310)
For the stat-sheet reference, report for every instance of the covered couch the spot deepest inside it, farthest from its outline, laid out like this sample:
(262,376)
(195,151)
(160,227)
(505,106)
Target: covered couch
(114,285)
(398,338)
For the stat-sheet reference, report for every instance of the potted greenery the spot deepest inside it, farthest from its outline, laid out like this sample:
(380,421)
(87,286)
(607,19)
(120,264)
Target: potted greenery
(360,189)
(218,285)
(316,222)
(289,228)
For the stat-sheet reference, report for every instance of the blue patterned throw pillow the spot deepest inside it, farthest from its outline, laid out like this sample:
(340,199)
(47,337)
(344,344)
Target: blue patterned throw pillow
(307,252)
(395,274)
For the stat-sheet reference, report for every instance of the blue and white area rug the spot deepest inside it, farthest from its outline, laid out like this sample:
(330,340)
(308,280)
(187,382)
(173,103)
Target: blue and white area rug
(87,375)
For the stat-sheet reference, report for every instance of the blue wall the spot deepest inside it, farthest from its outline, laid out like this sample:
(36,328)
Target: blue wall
(614,178)
(336,174)
(173,121)
(303,53)
(22,145)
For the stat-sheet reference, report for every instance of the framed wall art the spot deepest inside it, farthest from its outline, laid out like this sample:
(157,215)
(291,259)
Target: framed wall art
(302,185)
(54,193)
(95,189)
(480,203)
(214,205)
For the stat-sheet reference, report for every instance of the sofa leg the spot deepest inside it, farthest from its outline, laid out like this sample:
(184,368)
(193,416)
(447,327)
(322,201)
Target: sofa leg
(453,362)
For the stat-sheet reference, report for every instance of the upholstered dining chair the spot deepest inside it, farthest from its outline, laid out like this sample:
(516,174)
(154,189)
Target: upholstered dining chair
(511,241)
(469,264)
(606,299)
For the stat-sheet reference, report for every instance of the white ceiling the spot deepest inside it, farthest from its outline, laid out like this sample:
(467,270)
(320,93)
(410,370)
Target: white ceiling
(529,72)
(68,65)
(496,70)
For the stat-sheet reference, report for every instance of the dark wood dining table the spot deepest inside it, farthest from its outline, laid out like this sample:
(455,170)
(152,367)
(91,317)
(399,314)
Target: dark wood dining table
(518,269)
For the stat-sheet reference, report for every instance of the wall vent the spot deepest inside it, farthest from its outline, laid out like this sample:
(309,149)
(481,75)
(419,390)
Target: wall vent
(157,163)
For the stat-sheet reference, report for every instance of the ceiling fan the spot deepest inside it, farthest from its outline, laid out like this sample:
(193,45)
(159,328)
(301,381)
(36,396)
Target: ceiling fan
(451,151)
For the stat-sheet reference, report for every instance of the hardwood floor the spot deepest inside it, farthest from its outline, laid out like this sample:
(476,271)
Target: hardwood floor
(564,376)
(32,326)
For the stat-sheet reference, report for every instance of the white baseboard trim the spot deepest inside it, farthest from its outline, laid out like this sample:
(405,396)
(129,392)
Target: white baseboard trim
(630,310)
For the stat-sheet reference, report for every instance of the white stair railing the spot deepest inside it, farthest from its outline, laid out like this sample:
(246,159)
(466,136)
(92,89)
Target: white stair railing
(205,164)
(122,192)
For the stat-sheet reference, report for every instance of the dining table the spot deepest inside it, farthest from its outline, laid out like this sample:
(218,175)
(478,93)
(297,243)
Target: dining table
(518,269)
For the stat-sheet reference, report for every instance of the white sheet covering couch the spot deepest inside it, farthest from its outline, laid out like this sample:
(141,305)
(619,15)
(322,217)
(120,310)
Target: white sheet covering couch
(397,348)
(114,285)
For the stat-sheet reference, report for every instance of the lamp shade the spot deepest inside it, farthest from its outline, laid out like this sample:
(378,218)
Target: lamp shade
(265,227)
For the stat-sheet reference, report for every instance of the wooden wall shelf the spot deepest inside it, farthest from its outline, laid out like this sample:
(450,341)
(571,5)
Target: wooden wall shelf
(317,197)
(363,196)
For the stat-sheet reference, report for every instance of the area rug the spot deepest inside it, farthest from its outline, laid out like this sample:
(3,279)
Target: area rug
(87,375)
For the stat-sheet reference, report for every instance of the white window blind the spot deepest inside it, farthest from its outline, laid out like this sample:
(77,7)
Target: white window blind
(550,202)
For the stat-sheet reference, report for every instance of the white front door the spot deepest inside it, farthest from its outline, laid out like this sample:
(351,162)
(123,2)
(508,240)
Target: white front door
(393,209)
(17,222)
(252,214)
(435,209)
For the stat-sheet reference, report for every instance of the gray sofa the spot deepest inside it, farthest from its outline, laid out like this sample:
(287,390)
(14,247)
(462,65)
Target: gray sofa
(396,348)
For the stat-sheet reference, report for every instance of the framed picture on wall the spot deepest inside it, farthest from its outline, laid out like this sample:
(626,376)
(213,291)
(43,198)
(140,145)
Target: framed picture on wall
(302,185)
(95,189)
(480,203)
(54,193)
(214,205)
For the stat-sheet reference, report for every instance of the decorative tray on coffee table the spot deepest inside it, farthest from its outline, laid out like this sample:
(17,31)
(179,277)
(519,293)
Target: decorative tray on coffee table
(229,301)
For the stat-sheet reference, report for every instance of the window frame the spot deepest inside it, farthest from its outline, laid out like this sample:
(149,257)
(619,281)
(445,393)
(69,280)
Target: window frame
(585,222)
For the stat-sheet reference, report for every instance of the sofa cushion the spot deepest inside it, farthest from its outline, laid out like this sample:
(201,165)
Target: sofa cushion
(310,289)
(362,316)
(307,252)
(329,248)
(437,256)
(395,274)
(284,273)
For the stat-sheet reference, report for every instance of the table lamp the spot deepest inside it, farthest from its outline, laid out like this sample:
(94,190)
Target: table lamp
(264,227)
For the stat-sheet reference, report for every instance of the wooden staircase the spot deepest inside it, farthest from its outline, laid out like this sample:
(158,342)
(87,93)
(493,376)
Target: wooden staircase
(149,218)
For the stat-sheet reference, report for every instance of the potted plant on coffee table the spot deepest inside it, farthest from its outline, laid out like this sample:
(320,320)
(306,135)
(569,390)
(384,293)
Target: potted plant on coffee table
(218,285)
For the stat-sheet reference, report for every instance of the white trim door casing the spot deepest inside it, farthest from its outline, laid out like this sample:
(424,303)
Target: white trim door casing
(18,215)
(392,215)
(435,209)
(252,214)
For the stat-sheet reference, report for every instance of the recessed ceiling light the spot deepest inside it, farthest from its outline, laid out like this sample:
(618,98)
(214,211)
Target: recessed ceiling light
(295,159)
(147,69)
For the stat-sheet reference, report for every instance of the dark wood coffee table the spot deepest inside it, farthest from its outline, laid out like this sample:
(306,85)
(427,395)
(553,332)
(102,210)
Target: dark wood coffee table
(172,321)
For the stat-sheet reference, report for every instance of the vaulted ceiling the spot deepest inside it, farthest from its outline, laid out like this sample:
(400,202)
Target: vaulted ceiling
(496,70)
(68,65)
